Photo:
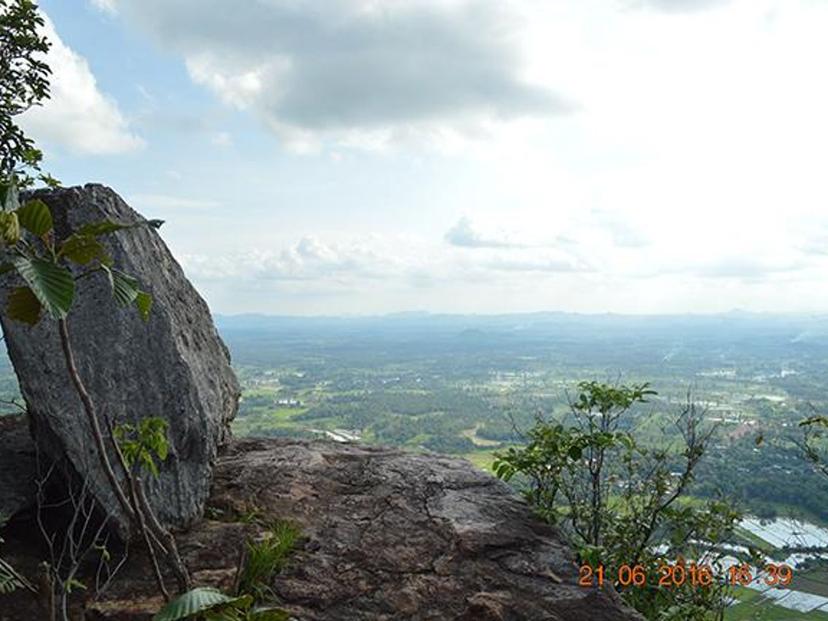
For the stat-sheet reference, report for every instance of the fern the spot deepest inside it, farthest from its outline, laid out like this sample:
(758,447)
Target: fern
(9,579)
(266,558)
(263,560)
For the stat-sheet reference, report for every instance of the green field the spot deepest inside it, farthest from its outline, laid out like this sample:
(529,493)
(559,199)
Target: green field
(470,386)
(753,607)
(481,458)
(814,581)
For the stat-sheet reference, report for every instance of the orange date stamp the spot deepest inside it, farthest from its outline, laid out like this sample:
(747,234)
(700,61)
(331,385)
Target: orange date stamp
(679,574)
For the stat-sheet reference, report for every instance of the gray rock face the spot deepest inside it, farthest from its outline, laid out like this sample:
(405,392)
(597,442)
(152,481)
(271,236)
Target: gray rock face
(17,465)
(174,366)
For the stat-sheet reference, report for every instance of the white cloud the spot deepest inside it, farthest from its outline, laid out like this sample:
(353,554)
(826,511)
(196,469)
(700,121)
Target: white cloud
(354,71)
(366,274)
(747,268)
(677,6)
(690,177)
(464,234)
(359,263)
(221,139)
(309,259)
(78,117)
(623,233)
(558,262)
(107,6)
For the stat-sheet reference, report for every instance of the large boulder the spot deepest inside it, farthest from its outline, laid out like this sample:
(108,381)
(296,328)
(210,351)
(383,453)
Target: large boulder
(174,365)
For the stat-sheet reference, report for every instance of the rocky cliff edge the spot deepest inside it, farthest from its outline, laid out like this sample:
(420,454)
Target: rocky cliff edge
(386,535)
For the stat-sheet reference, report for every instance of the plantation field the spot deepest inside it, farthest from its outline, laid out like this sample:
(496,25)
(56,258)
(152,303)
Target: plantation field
(753,607)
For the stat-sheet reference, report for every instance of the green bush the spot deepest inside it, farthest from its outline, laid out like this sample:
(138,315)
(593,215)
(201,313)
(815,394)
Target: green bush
(620,503)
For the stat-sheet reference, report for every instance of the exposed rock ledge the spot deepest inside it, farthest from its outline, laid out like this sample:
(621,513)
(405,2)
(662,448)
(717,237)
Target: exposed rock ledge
(388,535)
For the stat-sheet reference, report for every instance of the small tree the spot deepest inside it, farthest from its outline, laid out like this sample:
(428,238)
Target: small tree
(620,503)
(47,267)
(24,83)
(80,537)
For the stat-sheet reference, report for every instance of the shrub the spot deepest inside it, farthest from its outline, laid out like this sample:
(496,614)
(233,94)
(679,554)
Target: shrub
(620,503)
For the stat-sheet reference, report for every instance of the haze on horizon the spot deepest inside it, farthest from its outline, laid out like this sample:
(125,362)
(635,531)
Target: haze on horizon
(466,156)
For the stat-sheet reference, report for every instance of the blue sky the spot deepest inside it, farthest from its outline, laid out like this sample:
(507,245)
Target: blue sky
(367,156)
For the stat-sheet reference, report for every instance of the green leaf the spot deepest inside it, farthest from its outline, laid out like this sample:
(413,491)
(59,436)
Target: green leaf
(142,444)
(575,453)
(35,217)
(52,284)
(149,463)
(83,249)
(8,579)
(267,614)
(124,287)
(24,306)
(49,180)
(143,301)
(627,440)
(125,291)
(32,156)
(105,555)
(194,602)
(73,585)
(9,228)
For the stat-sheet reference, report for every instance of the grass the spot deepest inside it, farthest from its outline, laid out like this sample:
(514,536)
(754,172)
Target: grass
(285,414)
(482,459)
(266,557)
(259,421)
(471,434)
(417,440)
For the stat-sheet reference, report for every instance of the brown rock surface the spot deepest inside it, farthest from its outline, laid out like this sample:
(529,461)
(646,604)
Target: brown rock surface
(387,535)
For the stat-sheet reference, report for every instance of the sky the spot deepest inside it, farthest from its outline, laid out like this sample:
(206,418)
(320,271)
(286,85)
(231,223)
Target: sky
(464,156)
